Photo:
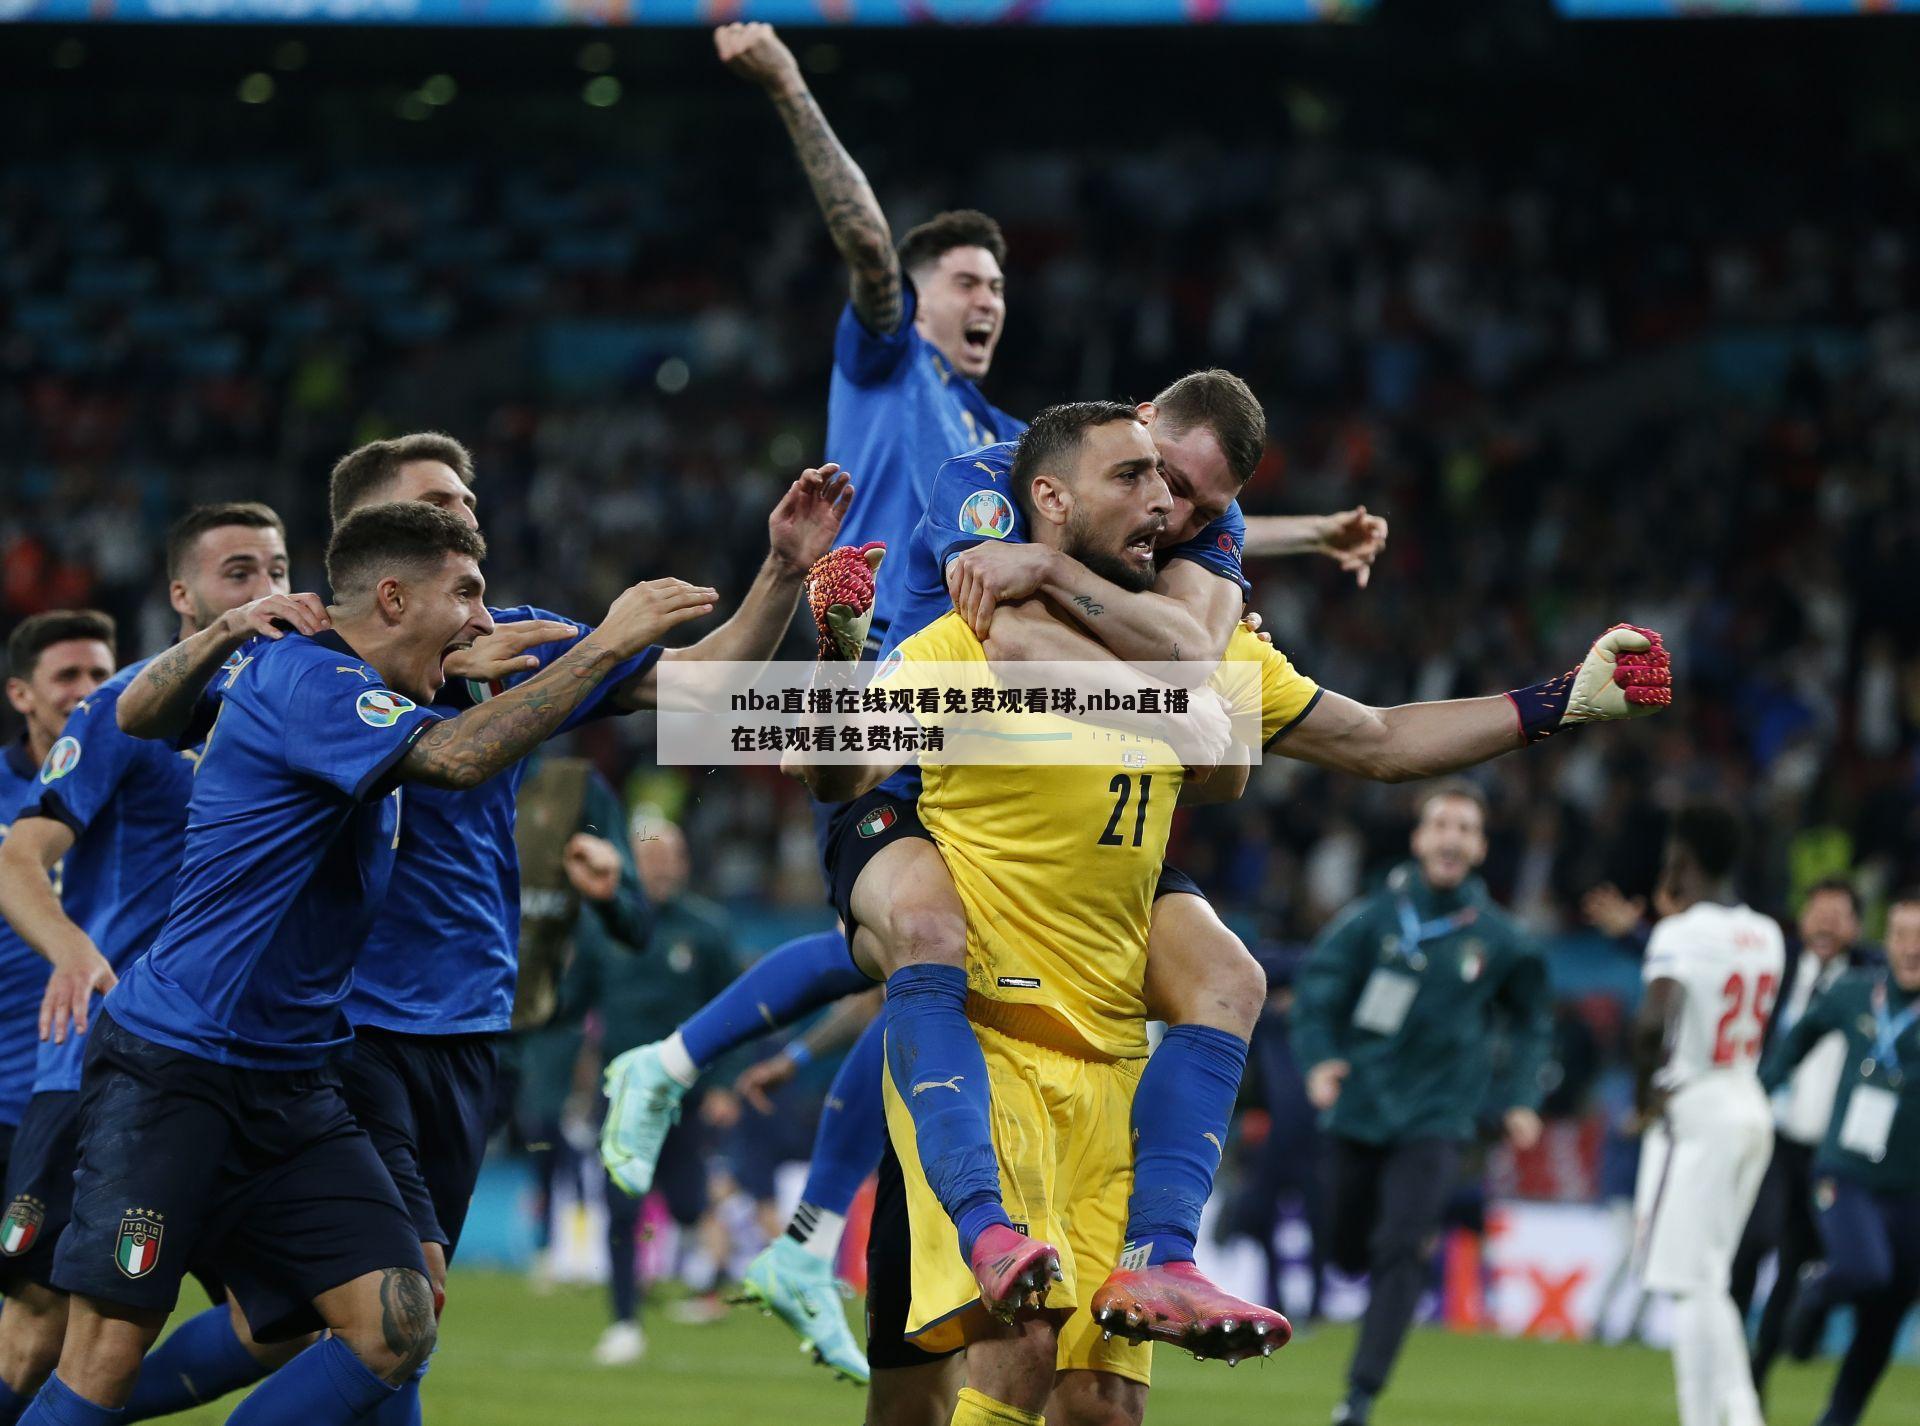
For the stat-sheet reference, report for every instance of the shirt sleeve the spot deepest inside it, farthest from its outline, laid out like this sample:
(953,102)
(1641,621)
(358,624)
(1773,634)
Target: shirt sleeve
(1326,987)
(85,766)
(971,502)
(1219,547)
(466,693)
(1666,953)
(340,728)
(866,357)
(1526,998)
(627,915)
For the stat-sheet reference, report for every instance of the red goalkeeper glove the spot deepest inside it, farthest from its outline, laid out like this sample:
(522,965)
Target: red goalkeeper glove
(840,593)
(1626,674)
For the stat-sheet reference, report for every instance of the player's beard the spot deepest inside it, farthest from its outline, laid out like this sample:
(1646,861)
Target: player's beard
(1080,541)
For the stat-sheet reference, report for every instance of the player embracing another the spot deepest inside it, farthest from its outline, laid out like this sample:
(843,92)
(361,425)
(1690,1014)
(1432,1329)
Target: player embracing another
(1041,952)
(212,1128)
(1712,973)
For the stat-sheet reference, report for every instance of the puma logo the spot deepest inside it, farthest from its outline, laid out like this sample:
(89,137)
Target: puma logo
(1216,1144)
(952,1084)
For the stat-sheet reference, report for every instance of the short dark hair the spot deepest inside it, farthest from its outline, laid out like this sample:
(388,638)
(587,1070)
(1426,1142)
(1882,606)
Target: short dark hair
(188,529)
(34,635)
(1710,832)
(1225,405)
(360,474)
(1055,434)
(369,543)
(1906,896)
(1451,787)
(1837,885)
(943,232)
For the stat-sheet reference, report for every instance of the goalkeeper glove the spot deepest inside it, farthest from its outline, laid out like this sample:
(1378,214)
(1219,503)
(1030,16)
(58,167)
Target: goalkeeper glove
(840,589)
(1626,674)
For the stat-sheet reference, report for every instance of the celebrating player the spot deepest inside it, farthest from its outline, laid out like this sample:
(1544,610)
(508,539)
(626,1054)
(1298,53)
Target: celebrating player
(211,1128)
(111,814)
(1712,972)
(55,661)
(1078,476)
(422,1073)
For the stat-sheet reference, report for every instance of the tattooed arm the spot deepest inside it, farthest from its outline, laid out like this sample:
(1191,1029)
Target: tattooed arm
(854,220)
(159,703)
(464,752)
(1188,614)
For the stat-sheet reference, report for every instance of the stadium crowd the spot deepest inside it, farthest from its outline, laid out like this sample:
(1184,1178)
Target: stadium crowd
(1572,407)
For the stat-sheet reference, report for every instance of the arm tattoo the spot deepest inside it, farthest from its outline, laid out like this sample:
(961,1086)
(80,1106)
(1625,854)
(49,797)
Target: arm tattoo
(1092,607)
(854,219)
(169,670)
(465,751)
(406,1320)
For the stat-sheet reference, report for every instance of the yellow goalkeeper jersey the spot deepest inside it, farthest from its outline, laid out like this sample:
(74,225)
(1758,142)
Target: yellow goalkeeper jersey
(1056,861)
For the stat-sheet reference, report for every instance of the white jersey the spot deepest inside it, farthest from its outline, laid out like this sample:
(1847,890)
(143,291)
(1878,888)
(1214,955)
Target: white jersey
(1729,960)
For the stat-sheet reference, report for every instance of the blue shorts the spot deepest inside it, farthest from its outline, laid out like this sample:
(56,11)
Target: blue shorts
(857,832)
(260,1174)
(39,1187)
(427,1102)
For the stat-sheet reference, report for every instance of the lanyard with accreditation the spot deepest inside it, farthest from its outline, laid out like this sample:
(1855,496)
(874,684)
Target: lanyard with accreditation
(1390,990)
(1871,1107)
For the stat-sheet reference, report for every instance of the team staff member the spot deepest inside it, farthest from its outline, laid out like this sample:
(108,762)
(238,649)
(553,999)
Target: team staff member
(1866,1174)
(641,999)
(1394,1009)
(1782,1218)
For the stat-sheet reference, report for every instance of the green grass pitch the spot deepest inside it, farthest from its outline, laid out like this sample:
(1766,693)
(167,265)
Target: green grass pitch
(508,1358)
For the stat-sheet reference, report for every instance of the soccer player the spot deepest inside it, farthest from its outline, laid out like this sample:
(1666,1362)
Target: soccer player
(1866,1185)
(919,330)
(212,1129)
(1712,973)
(55,661)
(422,1073)
(1063,1060)
(1210,432)
(111,815)
(1396,1006)
(1087,479)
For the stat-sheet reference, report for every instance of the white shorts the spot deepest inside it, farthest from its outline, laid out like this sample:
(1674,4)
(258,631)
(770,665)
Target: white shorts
(1700,1170)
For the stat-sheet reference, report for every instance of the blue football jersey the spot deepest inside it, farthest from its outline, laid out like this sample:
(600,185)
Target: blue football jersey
(444,951)
(972,502)
(291,833)
(23,975)
(125,798)
(896,409)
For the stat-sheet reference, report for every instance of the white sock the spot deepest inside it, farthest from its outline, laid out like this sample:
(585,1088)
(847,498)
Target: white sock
(1712,1374)
(675,1060)
(1696,1353)
(1739,1402)
(818,1231)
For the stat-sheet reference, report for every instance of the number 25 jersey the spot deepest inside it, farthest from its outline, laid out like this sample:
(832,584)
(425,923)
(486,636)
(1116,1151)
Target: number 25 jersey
(1728,960)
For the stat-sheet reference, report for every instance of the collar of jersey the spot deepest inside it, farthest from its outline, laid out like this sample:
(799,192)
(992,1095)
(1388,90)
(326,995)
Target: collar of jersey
(20,757)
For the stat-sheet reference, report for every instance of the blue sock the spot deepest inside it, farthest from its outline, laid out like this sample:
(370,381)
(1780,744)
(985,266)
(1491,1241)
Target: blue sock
(846,1145)
(60,1405)
(324,1386)
(941,1075)
(11,1405)
(403,1407)
(1180,1116)
(780,987)
(201,1361)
